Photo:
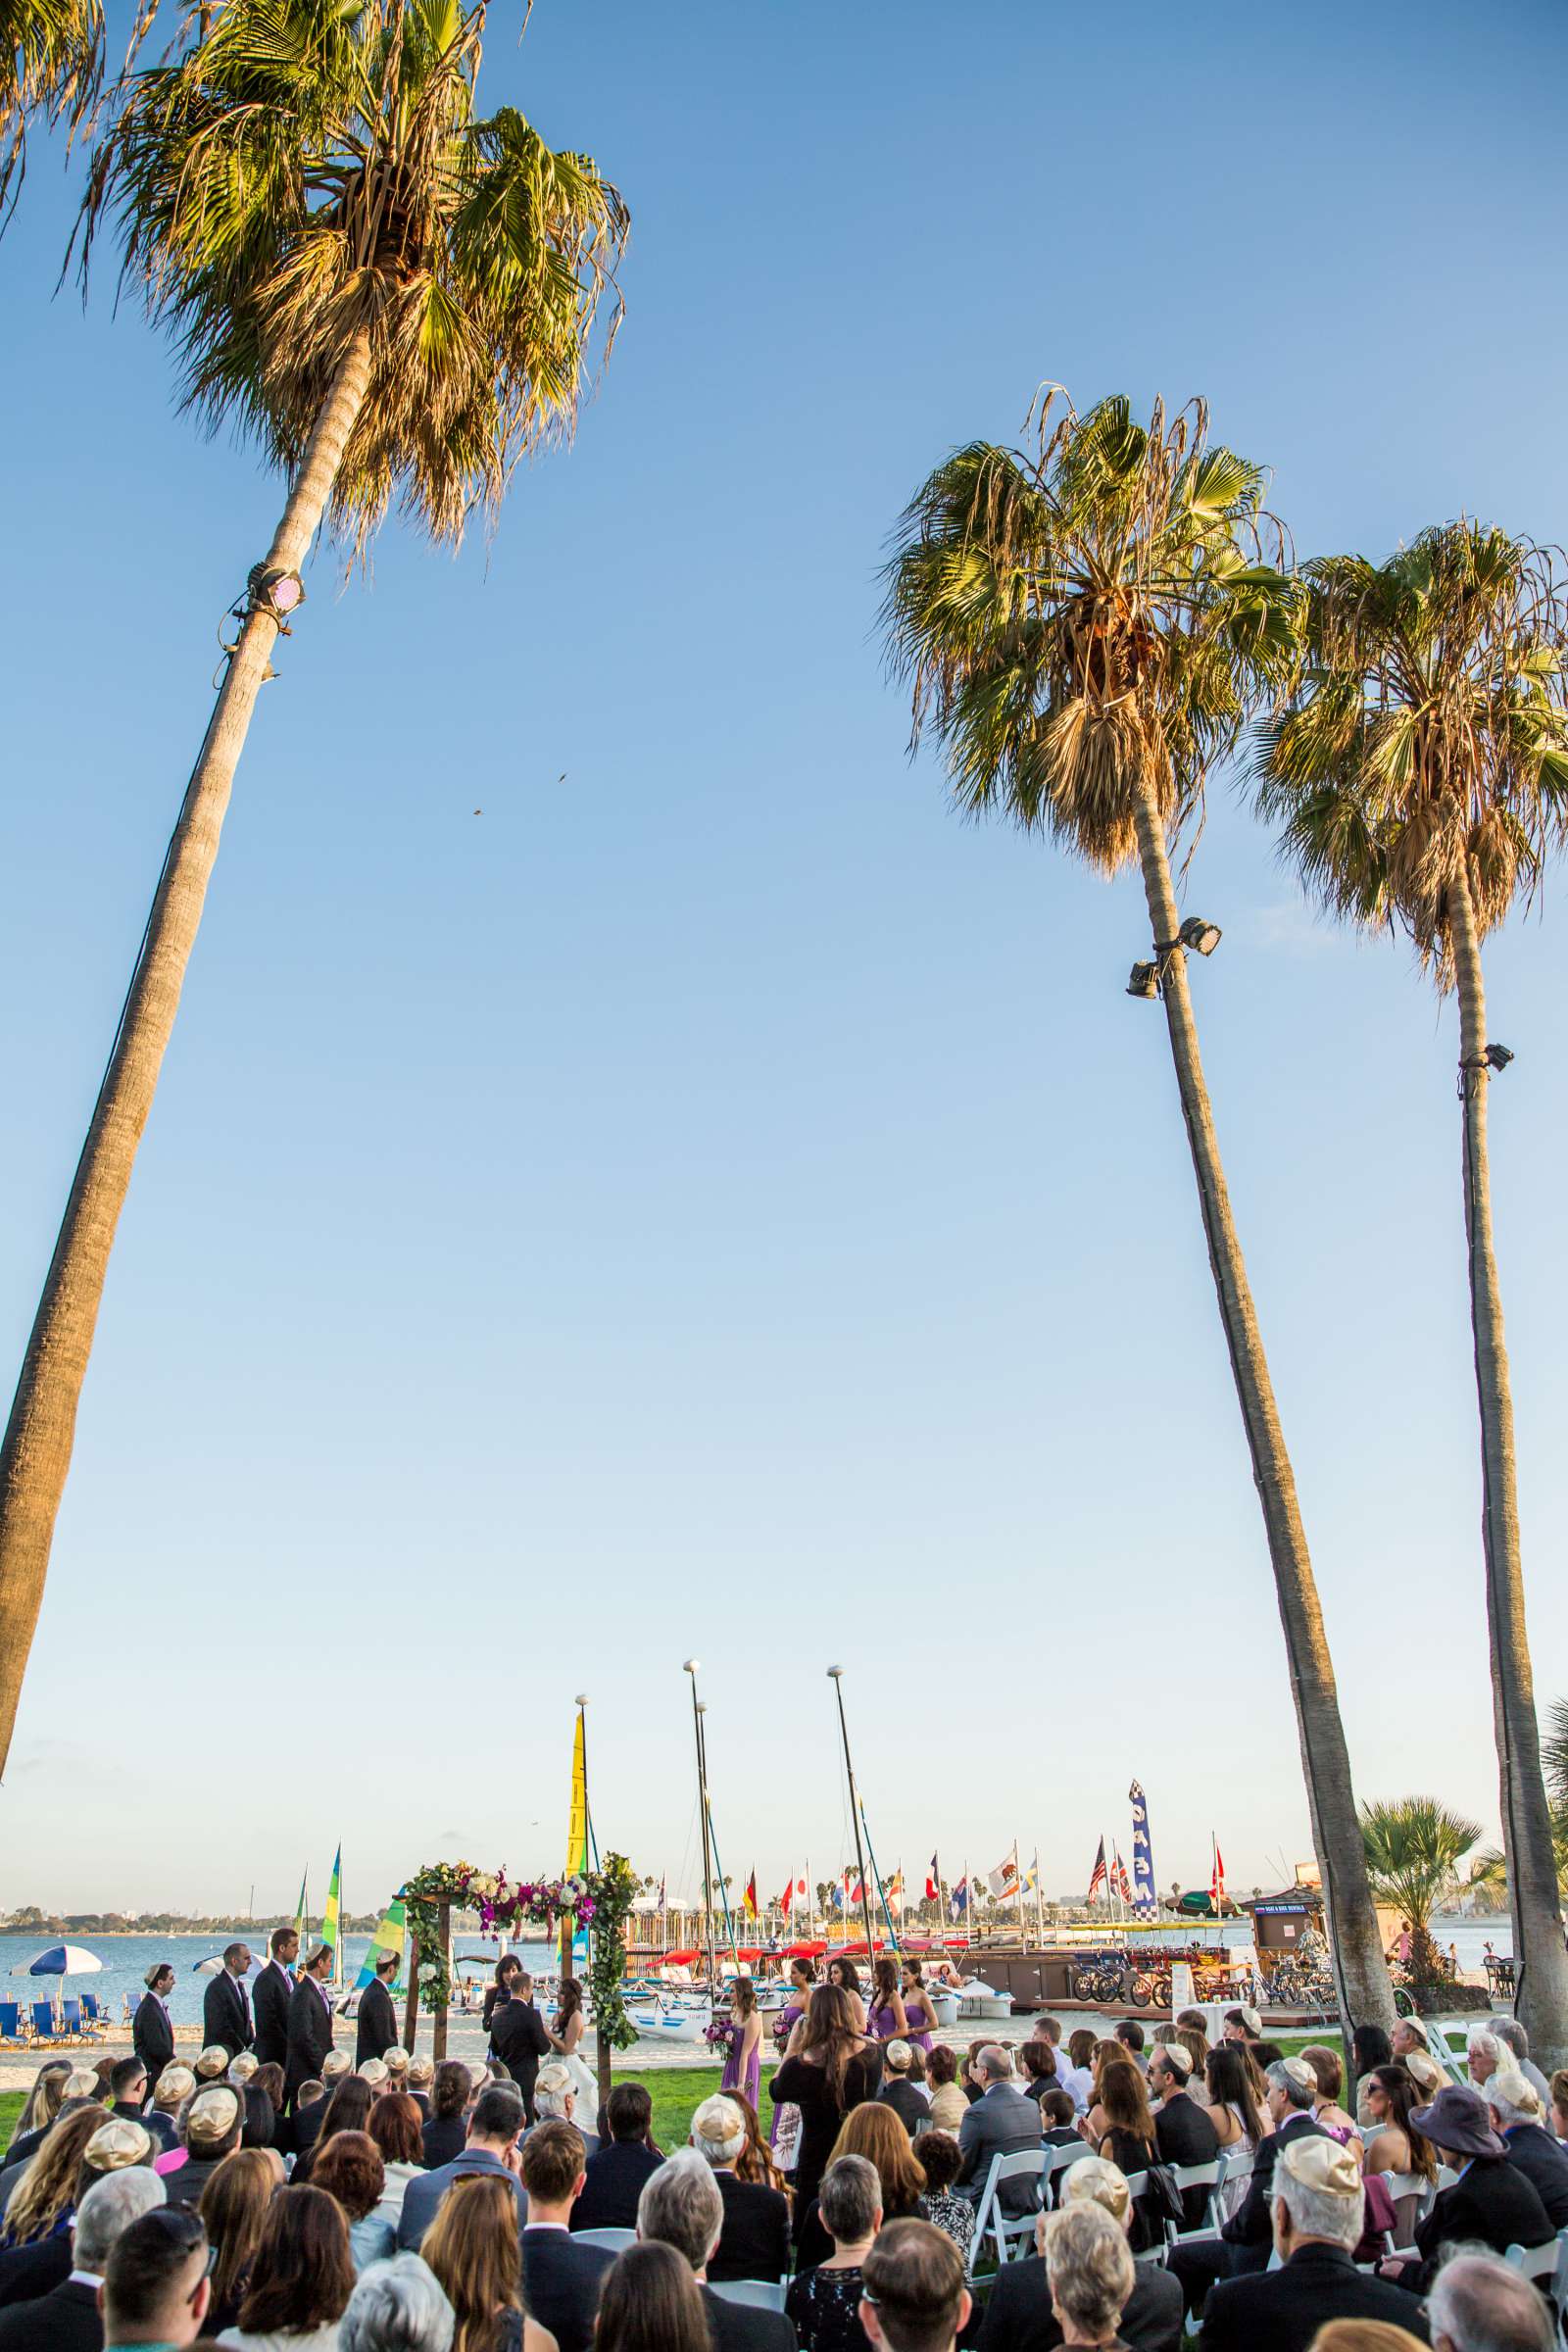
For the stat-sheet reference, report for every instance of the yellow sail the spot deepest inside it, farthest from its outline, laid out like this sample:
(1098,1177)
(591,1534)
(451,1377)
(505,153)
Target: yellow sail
(577,1821)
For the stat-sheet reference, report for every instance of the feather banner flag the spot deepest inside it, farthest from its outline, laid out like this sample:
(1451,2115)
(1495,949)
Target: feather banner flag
(1145,1902)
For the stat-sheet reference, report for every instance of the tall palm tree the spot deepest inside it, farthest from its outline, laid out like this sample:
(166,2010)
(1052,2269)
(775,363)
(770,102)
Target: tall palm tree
(1088,627)
(51,66)
(1414,1847)
(396,297)
(1420,779)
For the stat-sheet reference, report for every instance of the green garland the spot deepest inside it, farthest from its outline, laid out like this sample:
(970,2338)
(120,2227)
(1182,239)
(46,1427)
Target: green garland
(599,1900)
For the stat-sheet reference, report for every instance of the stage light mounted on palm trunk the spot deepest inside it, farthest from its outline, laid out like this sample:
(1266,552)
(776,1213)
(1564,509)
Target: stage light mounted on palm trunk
(276,592)
(1497,1057)
(1202,937)
(1143,981)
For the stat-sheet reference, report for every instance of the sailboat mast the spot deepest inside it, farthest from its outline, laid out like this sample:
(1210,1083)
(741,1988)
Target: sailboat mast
(691,1667)
(835,1677)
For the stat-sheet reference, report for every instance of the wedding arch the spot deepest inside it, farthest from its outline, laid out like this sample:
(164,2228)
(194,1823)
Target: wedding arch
(597,1900)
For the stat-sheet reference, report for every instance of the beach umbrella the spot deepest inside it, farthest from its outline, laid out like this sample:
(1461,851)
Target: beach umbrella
(213,1965)
(60,1960)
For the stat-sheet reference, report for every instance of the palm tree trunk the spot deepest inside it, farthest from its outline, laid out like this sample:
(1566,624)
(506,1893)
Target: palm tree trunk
(35,1455)
(1540,1998)
(1361,1974)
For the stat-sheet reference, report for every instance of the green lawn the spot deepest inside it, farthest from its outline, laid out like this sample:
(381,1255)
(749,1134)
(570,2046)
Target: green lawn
(676,2091)
(12,2103)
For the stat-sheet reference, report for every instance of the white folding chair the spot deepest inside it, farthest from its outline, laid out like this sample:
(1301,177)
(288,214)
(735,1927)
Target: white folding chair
(1539,2263)
(766,2294)
(1028,2163)
(1136,2182)
(616,2240)
(1211,2176)
(1412,2202)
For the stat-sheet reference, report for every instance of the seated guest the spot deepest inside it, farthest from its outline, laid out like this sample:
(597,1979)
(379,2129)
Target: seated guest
(1019,2317)
(399,2306)
(301,2278)
(446,2132)
(490,2147)
(754,2163)
(394,2127)
(172,2089)
(43,2197)
(874,2131)
(258,2128)
(756,2239)
(912,2110)
(1364,2336)
(127,2098)
(1329,2069)
(1061,2120)
(554,2101)
(1390,2098)
(1560,2104)
(824,2303)
(1127,2138)
(560,2274)
(1514,2107)
(1512,2034)
(1130,2033)
(155,2288)
(681,2207)
(1090,2273)
(948,2106)
(66,2316)
(1247,2235)
(1077,2078)
(347,2109)
(234,2206)
(1317,2217)
(421,2077)
(42,2105)
(652,2303)
(244,2068)
(211,2126)
(1182,2132)
(472,2252)
(940,2159)
(1480,2303)
(1242,2024)
(1491,2204)
(349,2166)
(614,2175)
(212,2065)
(1002,2122)
(1037,2063)
(916,2297)
(309,2110)
(374,2072)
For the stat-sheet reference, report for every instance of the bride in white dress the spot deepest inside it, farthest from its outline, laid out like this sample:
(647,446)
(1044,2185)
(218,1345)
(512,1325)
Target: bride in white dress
(566,2032)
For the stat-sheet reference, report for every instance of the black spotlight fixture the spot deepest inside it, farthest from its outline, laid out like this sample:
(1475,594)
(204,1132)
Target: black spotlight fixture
(1144,981)
(1202,937)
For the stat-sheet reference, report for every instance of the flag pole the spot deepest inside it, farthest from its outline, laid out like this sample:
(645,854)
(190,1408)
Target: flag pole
(835,1677)
(690,1666)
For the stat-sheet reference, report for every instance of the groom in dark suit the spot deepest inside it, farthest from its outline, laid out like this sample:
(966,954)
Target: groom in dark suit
(519,2038)
(225,2004)
(310,2023)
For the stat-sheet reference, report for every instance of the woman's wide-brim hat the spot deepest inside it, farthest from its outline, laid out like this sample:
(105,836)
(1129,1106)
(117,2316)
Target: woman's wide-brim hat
(1458,2119)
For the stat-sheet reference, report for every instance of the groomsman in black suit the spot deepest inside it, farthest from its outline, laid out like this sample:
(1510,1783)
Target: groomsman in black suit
(377,2018)
(225,2004)
(270,1997)
(310,2021)
(152,2036)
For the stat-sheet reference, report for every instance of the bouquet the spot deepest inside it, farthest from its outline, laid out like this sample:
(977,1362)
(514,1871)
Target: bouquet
(720,2034)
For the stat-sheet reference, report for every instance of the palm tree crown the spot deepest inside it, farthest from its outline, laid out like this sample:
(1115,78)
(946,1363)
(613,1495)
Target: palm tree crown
(1427,738)
(51,63)
(309,173)
(1413,1849)
(1095,614)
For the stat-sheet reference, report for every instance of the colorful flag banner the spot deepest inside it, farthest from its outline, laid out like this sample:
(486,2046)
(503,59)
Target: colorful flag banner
(933,1882)
(390,1937)
(1118,1877)
(577,1817)
(1097,1878)
(958,1900)
(1144,1901)
(751,1896)
(1216,1884)
(1004,1880)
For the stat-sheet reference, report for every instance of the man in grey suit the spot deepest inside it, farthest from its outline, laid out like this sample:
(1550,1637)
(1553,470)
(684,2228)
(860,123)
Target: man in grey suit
(1003,2122)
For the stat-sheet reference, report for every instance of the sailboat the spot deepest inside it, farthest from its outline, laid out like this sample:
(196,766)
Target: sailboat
(391,1935)
(660,2012)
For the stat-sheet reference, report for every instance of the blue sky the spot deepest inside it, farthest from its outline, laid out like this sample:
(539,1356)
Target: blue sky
(714,1200)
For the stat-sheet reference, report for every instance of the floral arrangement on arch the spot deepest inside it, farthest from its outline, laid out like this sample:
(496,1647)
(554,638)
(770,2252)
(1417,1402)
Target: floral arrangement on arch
(599,1901)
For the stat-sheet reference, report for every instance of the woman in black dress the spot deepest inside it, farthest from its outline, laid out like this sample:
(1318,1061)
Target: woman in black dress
(830,2070)
(508,1970)
(825,2303)
(1128,2137)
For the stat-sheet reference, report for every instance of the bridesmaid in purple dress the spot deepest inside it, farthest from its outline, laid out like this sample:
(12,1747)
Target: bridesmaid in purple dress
(802,1982)
(917,2007)
(885,2019)
(743,2067)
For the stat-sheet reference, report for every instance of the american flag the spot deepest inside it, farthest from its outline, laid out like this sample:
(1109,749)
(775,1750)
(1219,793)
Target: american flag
(1096,1877)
